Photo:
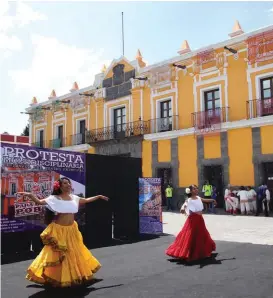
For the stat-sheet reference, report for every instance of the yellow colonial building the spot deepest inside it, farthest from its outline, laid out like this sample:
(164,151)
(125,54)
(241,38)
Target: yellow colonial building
(203,114)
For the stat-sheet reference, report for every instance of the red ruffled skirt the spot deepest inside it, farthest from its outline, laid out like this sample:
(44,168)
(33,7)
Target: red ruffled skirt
(193,242)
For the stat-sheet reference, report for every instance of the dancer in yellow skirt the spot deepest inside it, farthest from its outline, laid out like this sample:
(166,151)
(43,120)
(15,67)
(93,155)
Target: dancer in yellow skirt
(64,261)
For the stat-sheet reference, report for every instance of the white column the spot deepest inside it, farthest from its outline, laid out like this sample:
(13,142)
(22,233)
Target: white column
(30,130)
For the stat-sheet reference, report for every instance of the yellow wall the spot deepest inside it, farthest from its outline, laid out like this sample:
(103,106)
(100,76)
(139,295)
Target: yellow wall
(185,100)
(146,104)
(187,154)
(100,109)
(136,105)
(147,159)
(92,111)
(91,150)
(212,146)
(69,123)
(237,87)
(241,170)
(164,150)
(267,139)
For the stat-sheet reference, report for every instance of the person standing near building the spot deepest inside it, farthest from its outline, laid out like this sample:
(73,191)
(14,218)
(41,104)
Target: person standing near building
(231,201)
(262,200)
(266,202)
(207,191)
(243,194)
(252,199)
(227,196)
(169,197)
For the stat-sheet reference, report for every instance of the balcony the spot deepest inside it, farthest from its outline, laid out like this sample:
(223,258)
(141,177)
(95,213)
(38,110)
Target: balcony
(164,124)
(209,120)
(259,108)
(78,139)
(126,130)
(57,143)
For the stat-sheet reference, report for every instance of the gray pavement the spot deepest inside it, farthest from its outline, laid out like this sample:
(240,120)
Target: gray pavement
(142,269)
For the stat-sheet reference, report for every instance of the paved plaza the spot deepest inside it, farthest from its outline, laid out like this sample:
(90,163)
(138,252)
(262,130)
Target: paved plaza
(244,229)
(242,266)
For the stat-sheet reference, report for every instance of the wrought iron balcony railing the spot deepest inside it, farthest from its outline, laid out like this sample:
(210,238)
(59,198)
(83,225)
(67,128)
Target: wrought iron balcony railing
(40,144)
(78,139)
(259,108)
(120,131)
(207,119)
(164,124)
(57,143)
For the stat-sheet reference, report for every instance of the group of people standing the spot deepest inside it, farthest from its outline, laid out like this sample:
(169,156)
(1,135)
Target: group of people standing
(247,200)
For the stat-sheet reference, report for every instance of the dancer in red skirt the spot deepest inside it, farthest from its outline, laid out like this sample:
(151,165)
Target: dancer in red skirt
(194,241)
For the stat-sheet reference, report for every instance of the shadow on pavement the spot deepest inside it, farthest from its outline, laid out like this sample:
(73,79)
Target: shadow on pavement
(73,292)
(203,262)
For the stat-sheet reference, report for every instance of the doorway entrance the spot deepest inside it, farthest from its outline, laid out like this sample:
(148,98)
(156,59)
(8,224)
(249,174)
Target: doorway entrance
(214,174)
(166,178)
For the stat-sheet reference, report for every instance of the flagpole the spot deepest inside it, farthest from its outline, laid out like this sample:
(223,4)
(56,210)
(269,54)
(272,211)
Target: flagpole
(122,34)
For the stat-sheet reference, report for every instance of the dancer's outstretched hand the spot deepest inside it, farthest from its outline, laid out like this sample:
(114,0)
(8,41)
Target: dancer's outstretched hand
(104,198)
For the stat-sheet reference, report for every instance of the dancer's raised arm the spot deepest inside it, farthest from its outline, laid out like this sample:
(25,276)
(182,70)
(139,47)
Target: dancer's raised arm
(93,199)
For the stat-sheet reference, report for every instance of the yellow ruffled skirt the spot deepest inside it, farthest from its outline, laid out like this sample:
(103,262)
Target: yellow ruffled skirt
(64,261)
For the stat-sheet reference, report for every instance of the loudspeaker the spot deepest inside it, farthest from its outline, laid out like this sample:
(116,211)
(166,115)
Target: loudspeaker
(98,216)
(126,213)
(117,178)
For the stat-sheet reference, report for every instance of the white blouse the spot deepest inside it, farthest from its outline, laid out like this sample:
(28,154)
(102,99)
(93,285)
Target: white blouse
(192,206)
(57,205)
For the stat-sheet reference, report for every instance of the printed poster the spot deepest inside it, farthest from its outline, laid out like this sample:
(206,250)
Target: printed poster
(33,169)
(150,206)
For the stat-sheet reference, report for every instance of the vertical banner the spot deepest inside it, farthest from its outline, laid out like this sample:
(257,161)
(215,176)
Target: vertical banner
(150,209)
(32,169)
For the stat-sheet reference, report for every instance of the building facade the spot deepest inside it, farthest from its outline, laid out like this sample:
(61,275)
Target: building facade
(204,114)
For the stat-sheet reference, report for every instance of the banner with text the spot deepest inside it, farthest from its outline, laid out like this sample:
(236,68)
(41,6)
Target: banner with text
(32,169)
(150,209)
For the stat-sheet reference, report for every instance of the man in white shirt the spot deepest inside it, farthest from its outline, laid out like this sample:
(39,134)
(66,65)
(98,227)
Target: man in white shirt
(243,194)
(252,199)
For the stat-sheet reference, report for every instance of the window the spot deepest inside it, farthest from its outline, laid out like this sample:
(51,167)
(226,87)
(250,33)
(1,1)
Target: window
(165,121)
(60,134)
(40,138)
(166,109)
(119,122)
(265,105)
(13,188)
(59,139)
(212,113)
(212,100)
(81,129)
